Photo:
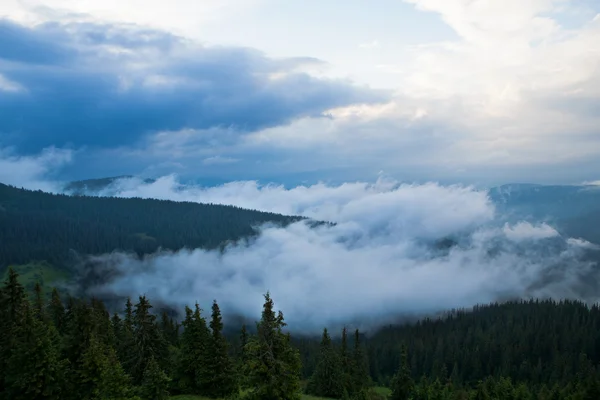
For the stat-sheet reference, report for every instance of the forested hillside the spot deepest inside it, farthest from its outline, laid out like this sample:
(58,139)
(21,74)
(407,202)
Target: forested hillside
(68,348)
(40,226)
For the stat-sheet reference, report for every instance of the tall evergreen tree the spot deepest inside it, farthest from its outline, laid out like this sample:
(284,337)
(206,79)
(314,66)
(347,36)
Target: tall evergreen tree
(12,306)
(402,383)
(147,340)
(155,384)
(273,366)
(35,368)
(221,381)
(39,304)
(192,371)
(346,362)
(56,311)
(360,369)
(100,375)
(328,378)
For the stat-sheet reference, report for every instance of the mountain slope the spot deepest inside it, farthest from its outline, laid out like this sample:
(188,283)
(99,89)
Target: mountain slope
(574,210)
(40,226)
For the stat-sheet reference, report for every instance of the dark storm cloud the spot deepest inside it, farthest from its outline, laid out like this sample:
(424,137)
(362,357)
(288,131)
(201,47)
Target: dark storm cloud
(108,85)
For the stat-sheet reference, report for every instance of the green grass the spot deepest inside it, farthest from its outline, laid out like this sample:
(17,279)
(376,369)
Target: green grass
(44,273)
(379,390)
(383,391)
(191,397)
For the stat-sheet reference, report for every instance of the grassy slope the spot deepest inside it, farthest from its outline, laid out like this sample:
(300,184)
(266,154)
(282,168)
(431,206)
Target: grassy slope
(379,390)
(42,272)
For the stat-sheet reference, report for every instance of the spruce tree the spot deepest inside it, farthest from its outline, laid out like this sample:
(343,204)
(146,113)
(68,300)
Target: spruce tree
(100,375)
(402,383)
(39,306)
(12,305)
(273,366)
(221,381)
(125,342)
(192,370)
(148,342)
(243,342)
(346,362)
(35,368)
(361,379)
(241,356)
(56,311)
(155,384)
(328,378)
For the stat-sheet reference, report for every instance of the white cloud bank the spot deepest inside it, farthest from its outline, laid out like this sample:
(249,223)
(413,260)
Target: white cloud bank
(381,258)
(33,172)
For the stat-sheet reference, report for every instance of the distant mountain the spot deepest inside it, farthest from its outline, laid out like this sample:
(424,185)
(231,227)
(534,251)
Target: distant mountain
(92,186)
(575,210)
(40,226)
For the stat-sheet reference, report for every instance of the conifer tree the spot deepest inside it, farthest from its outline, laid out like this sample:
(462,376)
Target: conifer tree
(243,342)
(221,381)
(155,383)
(328,378)
(35,369)
(38,302)
(12,305)
(192,368)
(125,343)
(273,366)
(148,342)
(56,311)
(346,362)
(361,378)
(169,329)
(100,375)
(402,383)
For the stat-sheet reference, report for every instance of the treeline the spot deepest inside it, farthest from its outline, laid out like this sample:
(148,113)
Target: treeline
(40,226)
(538,349)
(534,341)
(76,350)
(66,348)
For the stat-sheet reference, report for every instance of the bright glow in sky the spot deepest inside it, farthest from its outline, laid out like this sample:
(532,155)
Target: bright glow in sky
(474,90)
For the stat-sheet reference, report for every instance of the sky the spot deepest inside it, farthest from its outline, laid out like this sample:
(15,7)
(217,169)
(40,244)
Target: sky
(472,91)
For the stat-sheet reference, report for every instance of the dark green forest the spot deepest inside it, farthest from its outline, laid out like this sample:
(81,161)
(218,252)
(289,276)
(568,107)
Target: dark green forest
(67,348)
(48,227)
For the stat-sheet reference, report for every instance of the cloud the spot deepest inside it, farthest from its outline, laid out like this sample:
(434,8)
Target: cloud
(33,172)
(526,231)
(370,45)
(9,86)
(110,85)
(219,160)
(382,258)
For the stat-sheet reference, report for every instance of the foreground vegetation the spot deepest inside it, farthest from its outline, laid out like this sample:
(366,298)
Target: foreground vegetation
(66,348)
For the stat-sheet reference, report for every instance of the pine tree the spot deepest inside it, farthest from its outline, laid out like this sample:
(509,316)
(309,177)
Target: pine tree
(36,371)
(402,383)
(328,378)
(125,342)
(346,362)
(39,307)
(12,305)
(169,329)
(192,370)
(241,356)
(221,381)
(155,383)
(360,369)
(273,366)
(100,375)
(57,311)
(147,340)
